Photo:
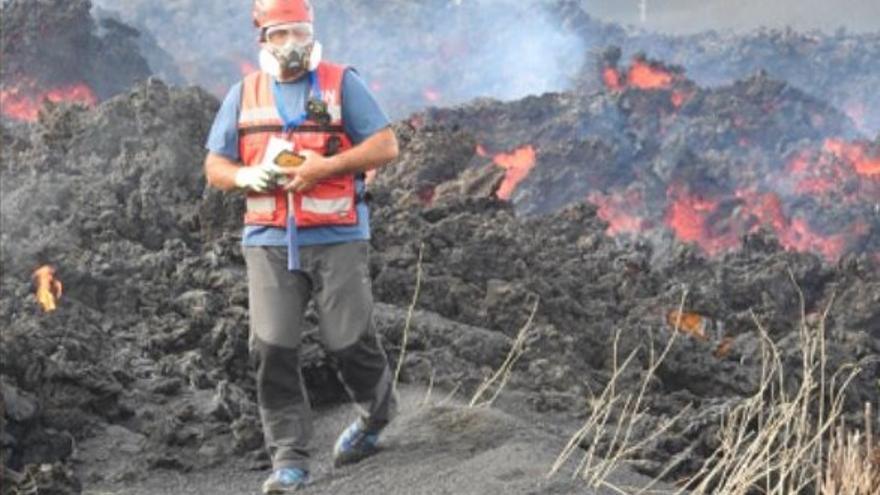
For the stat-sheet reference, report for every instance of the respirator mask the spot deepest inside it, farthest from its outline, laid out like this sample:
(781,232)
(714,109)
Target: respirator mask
(289,48)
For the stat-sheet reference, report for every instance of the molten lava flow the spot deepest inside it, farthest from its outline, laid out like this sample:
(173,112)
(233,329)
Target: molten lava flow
(647,75)
(801,237)
(23,100)
(518,165)
(643,75)
(48,287)
(796,234)
(857,155)
(814,177)
(689,215)
(615,209)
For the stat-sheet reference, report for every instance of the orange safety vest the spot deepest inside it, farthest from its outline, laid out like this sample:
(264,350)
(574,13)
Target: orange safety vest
(333,200)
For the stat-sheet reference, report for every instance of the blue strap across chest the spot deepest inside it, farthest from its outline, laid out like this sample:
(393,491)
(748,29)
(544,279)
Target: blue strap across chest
(291,123)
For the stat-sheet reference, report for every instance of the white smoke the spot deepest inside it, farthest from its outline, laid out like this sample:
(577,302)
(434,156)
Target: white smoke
(414,54)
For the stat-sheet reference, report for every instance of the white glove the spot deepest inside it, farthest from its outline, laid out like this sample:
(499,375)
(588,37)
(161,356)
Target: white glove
(259,178)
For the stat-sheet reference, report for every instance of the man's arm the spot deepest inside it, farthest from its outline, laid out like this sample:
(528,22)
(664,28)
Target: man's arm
(374,152)
(220,171)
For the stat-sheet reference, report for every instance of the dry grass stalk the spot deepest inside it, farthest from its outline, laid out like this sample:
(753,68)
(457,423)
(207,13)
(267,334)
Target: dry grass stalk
(502,375)
(405,338)
(771,442)
(450,396)
(427,399)
(853,465)
(596,467)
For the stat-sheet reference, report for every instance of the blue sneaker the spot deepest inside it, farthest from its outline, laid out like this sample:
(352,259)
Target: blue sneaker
(286,480)
(355,444)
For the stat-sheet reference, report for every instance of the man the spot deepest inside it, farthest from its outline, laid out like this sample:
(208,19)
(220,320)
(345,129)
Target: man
(298,136)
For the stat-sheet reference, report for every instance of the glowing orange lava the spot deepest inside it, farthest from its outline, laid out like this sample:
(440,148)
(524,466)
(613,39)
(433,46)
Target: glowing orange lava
(645,76)
(615,209)
(49,289)
(23,101)
(518,165)
(857,155)
(689,216)
(611,78)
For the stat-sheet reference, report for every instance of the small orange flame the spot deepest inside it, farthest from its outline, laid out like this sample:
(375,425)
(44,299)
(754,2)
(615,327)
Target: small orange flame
(49,289)
(688,323)
(518,165)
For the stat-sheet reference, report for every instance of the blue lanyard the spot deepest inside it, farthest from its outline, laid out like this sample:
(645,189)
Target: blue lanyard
(293,123)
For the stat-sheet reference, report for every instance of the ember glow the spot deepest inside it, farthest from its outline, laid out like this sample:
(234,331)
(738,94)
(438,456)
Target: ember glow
(48,288)
(617,210)
(717,224)
(649,75)
(23,101)
(518,165)
(611,78)
(857,155)
(694,219)
(643,75)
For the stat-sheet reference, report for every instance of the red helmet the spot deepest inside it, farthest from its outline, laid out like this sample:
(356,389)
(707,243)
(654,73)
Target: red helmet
(271,12)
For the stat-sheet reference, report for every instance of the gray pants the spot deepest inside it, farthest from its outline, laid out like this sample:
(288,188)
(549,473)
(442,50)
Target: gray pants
(337,276)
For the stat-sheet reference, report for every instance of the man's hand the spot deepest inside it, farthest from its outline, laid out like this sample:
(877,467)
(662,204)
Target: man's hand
(259,178)
(304,177)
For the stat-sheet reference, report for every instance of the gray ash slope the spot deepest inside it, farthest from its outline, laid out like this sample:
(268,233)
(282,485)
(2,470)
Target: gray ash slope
(150,335)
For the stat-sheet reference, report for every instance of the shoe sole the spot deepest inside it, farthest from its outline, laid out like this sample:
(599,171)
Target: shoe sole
(276,491)
(353,457)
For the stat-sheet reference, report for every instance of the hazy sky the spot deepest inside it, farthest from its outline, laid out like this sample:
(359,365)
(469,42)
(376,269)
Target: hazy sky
(685,16)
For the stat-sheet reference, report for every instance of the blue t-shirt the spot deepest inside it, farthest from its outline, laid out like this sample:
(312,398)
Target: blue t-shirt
(362,117)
